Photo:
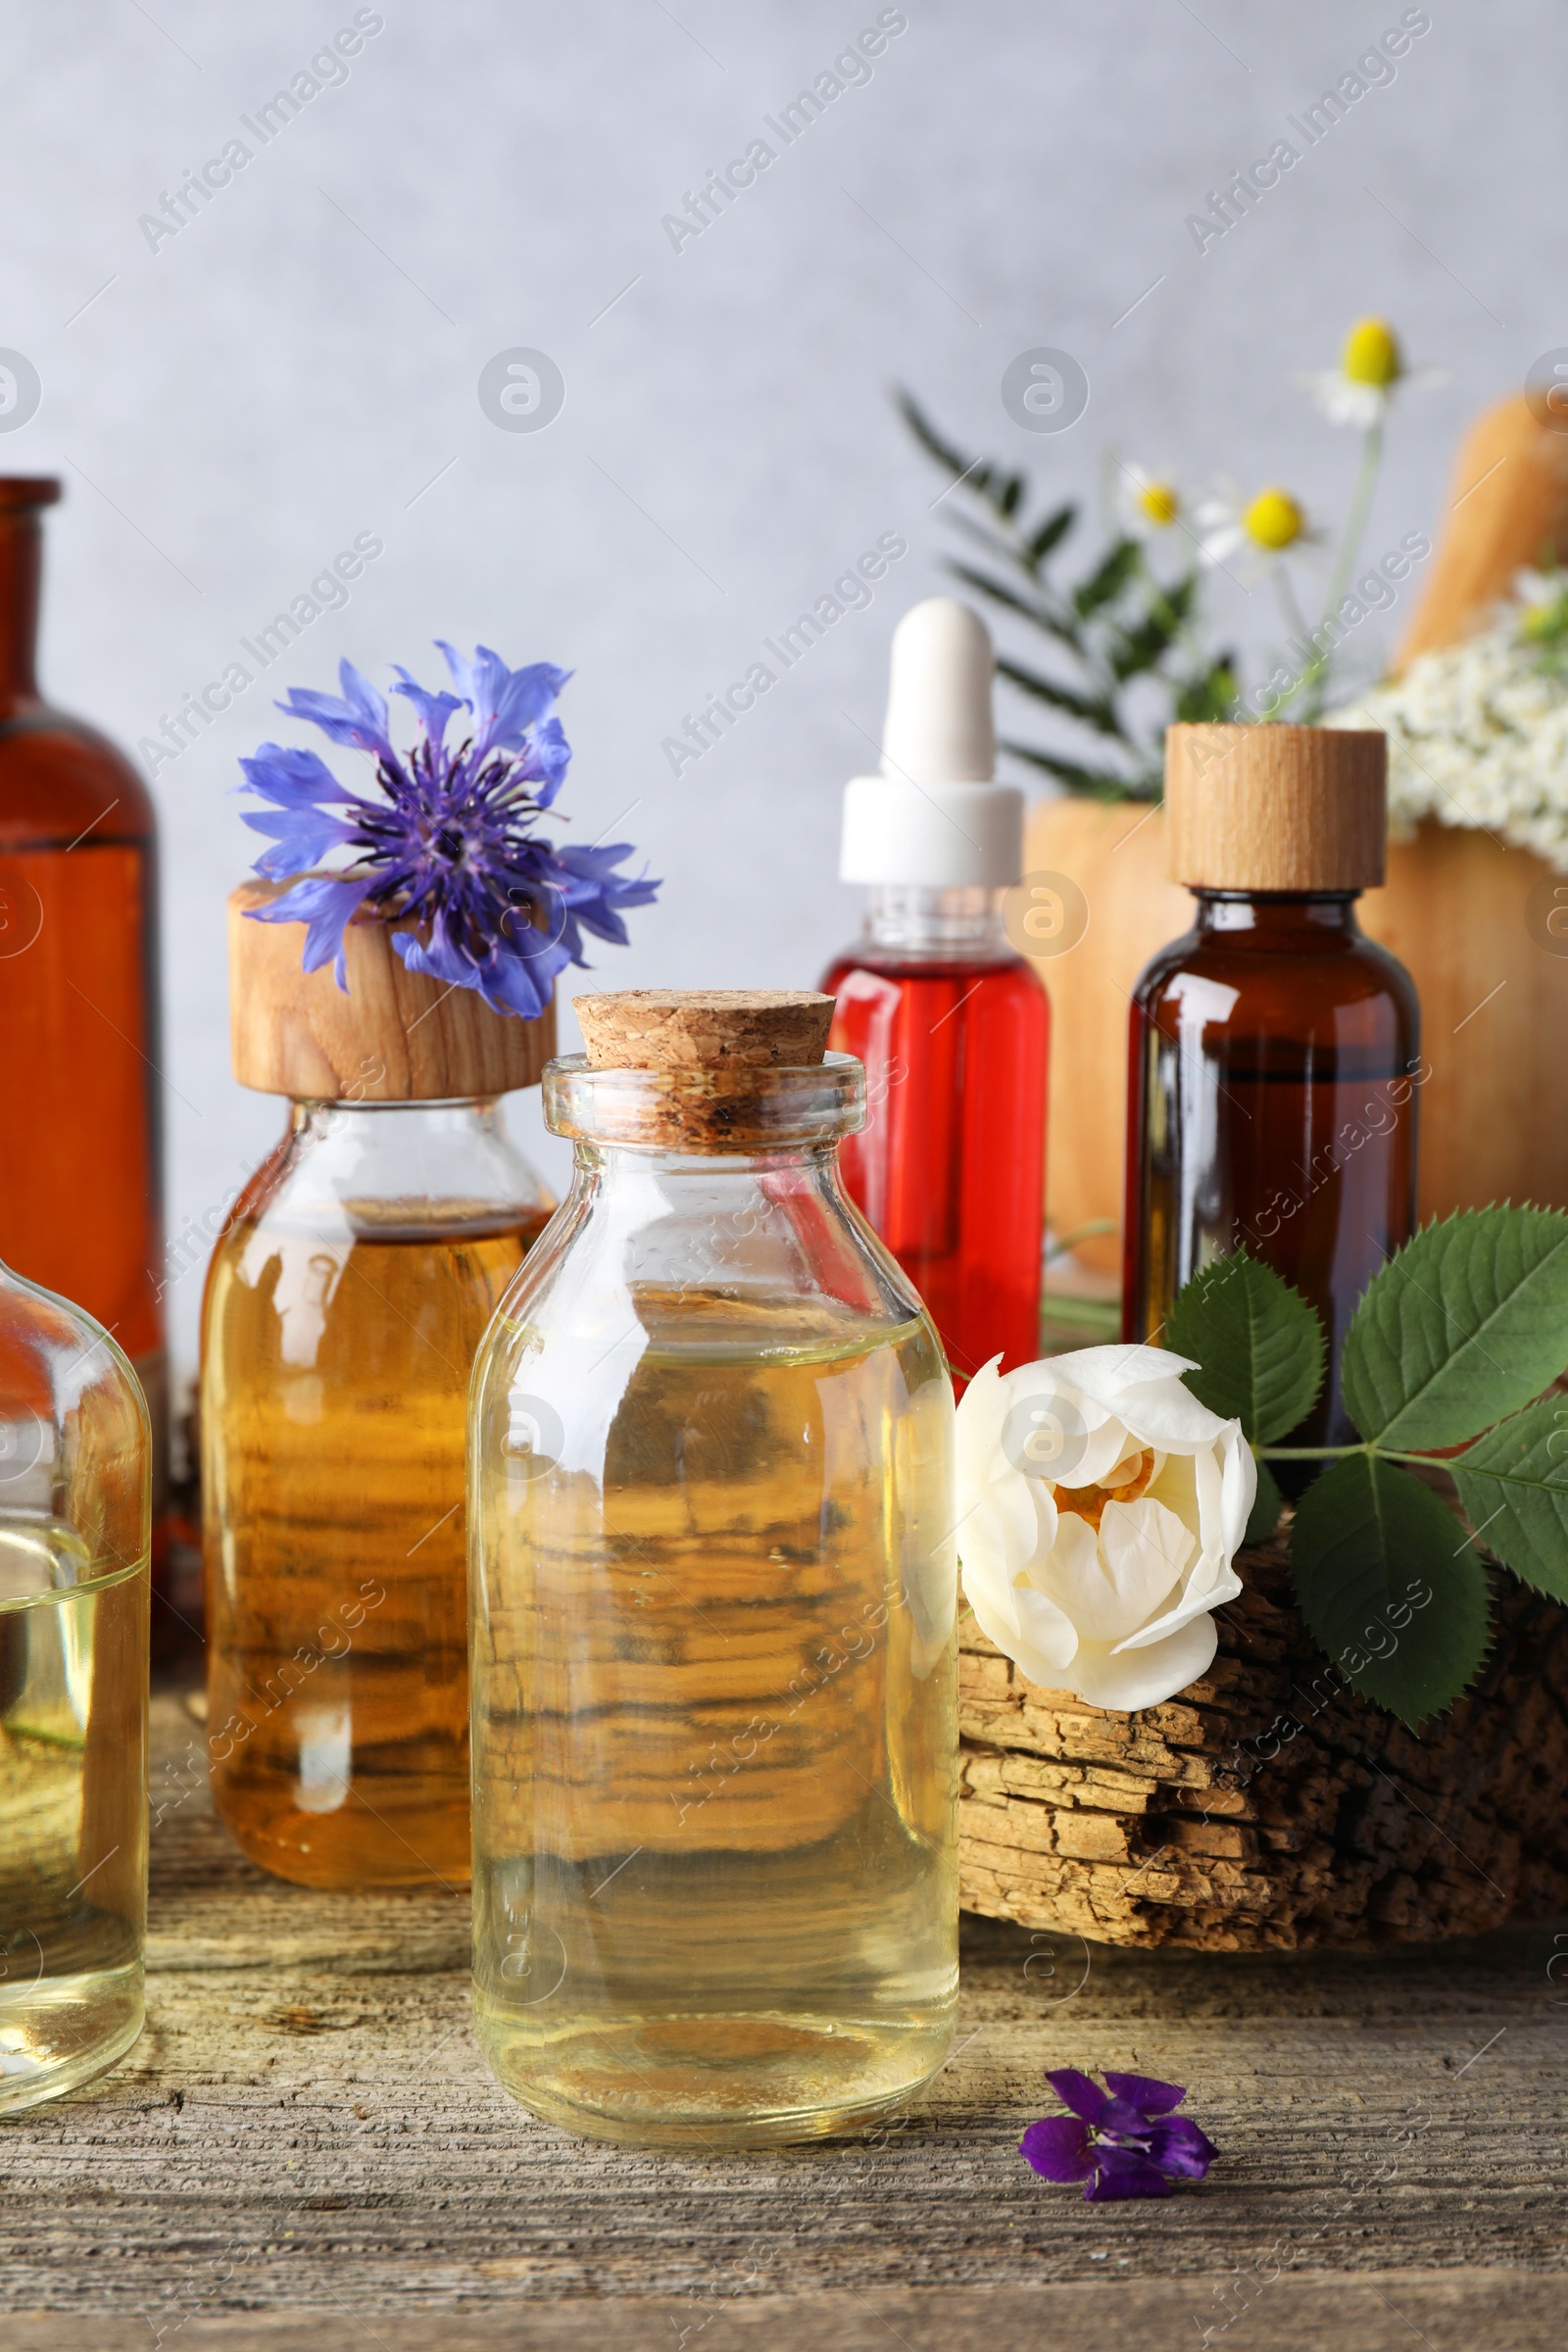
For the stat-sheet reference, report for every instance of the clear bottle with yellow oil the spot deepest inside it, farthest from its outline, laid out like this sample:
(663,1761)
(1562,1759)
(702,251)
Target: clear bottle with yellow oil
(76,1485)
(345,1302)
(713,1589)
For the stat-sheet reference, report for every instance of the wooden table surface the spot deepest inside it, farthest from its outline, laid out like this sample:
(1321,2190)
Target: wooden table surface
(304,2149)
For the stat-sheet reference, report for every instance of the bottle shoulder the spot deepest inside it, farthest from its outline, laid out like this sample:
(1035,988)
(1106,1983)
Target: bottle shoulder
(1000,968)
(60,1368)
(762,1271)
(1283,987)
(1006,986)
(57,774)
(320,1181)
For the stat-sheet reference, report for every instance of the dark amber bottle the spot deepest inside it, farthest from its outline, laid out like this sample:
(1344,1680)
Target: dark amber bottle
(81,1188)
(1274,1060)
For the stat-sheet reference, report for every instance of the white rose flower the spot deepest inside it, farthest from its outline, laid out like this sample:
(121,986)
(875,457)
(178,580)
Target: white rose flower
(1101,1505)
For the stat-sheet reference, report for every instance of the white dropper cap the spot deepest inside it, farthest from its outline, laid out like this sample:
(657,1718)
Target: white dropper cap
(934,818)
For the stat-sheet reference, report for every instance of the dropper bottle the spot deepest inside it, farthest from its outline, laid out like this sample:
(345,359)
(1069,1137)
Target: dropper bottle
(951,1024)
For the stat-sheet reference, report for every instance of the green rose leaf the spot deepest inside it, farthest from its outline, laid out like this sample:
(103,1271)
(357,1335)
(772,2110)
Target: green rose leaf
(1514,1485)
(1258,1343)
(1265,1517)
(1391,1585)
(1468,1323)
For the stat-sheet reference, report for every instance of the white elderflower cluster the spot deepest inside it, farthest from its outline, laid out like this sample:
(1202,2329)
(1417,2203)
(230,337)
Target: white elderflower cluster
(1478,736)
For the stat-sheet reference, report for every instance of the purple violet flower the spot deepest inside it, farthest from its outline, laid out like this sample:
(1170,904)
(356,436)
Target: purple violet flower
(1125,2143)
(450,846)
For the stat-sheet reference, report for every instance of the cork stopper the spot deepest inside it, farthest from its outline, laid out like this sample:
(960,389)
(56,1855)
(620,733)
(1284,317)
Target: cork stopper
(717,1029)
(396,1037)
(705,1070)
(1275,807)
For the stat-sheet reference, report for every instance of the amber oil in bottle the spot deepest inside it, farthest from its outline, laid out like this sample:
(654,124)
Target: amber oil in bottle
(345,1302)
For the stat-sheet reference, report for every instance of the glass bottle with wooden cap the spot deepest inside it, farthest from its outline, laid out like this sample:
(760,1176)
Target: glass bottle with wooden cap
(74,1496)
(344,1304)
(80,1205)
(713,1587)
(1274,1065)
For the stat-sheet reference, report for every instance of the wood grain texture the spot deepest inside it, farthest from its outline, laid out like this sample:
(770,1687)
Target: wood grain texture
(1276,807)
(1508,508)
(304,2149)
(1266,1807)
(1377,2311)
(1113,854)
(392,1035)
(1493,1107)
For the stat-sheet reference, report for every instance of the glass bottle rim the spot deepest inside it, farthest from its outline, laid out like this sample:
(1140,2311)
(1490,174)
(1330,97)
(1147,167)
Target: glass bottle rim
(704,1112)
(1226,892)
(392,1102)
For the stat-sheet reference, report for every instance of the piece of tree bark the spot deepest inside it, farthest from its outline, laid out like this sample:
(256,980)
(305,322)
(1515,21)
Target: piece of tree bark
(1267,1807)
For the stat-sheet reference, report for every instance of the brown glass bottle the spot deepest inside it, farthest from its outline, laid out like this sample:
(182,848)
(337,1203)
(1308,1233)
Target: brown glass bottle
(81,1195)
(1274,1058)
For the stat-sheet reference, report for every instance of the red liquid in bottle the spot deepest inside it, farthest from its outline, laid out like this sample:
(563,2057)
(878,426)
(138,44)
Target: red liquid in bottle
(948,1169)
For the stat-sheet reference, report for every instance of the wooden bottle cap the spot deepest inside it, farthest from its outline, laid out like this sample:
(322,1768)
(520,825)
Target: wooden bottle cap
(1275,807)
(708,1029)
(396,1035)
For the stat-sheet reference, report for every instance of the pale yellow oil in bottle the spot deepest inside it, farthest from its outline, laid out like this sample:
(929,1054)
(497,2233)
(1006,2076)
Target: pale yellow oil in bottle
(714,1692)
(72,1807)
(334,1391)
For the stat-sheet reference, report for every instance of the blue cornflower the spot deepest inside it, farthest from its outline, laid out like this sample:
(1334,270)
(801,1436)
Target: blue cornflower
(1124,2144)
(451,847)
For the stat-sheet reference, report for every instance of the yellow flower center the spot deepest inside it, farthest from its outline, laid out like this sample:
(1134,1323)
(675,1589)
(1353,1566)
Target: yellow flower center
(1159,504)
(1371,354)
(1273,519)
(1124,1484)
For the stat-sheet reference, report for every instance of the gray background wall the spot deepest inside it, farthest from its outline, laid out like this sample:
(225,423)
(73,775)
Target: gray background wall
(301,363)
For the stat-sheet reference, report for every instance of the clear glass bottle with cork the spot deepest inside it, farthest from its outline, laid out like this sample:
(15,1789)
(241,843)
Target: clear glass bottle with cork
(1275,1050)
(344,1304)
(714,1585)
(951,1024)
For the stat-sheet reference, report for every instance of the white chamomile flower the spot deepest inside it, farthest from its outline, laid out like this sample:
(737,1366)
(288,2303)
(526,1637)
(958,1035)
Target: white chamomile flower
(1539,597)
(1359,390)
(1260,528)
(1478,733)
(1147,502)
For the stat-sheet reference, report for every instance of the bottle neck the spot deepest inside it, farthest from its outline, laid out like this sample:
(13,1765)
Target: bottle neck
(383,1124)
(911,920)
(1285,919)
(21,572)
(629,1166)
(453,1158)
